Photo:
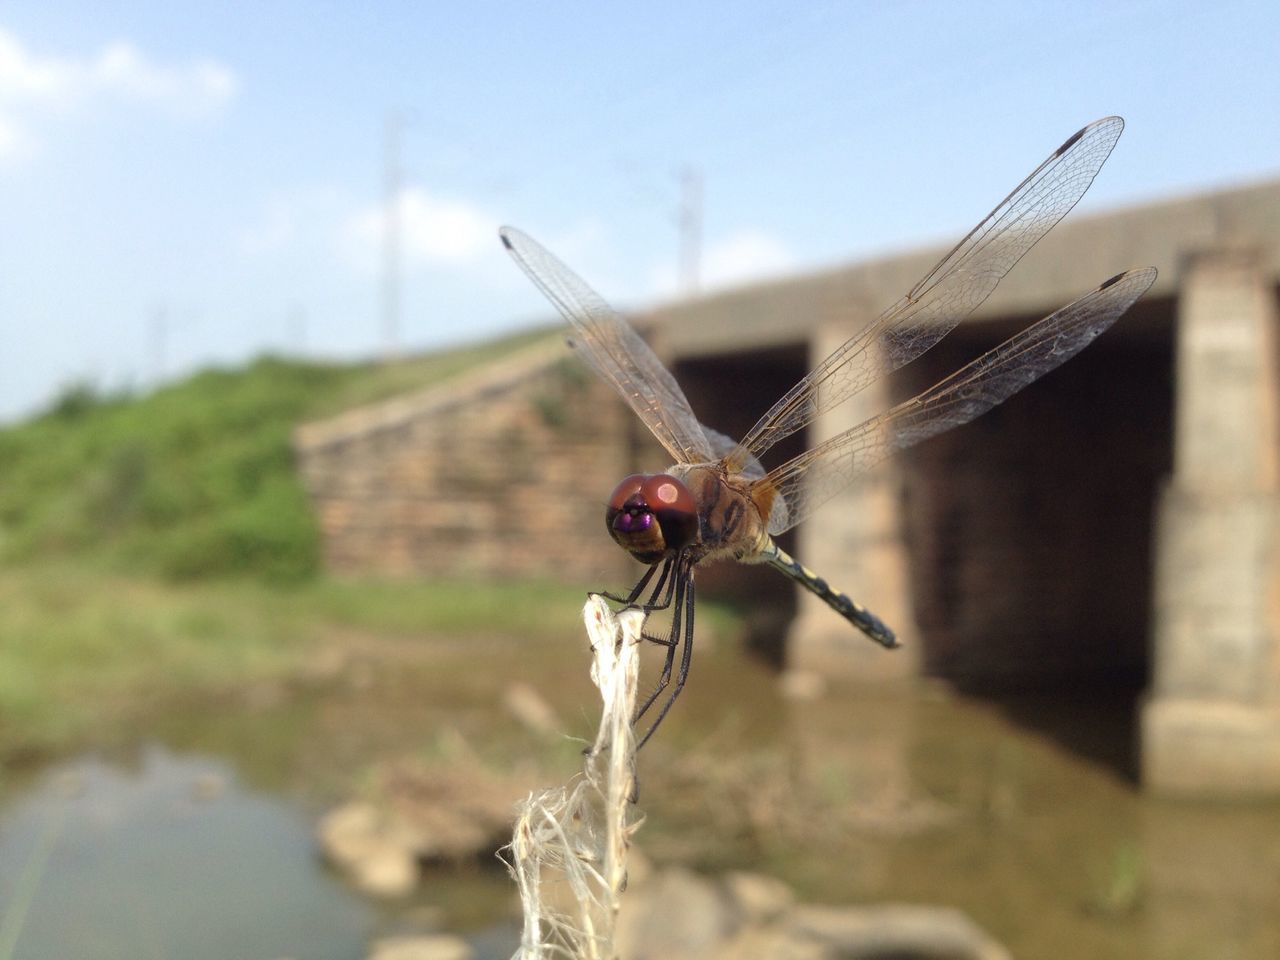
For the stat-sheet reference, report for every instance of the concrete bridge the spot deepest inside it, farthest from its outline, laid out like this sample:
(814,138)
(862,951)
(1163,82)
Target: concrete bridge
(1115,525)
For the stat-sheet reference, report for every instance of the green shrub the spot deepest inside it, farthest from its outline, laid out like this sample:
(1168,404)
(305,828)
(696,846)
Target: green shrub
(196,479)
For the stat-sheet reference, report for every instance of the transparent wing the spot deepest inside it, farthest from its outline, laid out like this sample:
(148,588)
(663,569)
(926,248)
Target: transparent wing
(722,445)
(953,289)
(613,349)
(803,484)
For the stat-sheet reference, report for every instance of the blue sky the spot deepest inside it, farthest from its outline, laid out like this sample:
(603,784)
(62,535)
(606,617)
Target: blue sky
(214,171)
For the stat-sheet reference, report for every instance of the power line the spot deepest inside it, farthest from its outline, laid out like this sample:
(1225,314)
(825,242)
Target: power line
(392,184)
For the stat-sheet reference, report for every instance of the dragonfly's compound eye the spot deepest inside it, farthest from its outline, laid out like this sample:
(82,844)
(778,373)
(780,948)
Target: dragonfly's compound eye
(651,515)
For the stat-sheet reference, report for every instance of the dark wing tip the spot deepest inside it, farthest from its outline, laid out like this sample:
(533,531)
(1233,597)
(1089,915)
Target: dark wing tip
(1070,142)
(504,234)
(1148,274)
(1075,137)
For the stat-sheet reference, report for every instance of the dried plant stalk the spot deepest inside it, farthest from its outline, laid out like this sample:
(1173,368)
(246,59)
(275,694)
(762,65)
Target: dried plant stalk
(578,834)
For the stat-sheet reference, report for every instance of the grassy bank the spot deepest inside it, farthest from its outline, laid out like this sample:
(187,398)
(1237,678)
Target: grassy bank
(87,653)
(195,480)
(158,549)
(158,544)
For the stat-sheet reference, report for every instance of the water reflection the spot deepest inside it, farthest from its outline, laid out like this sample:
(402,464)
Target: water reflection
(156,855)
(1037,831)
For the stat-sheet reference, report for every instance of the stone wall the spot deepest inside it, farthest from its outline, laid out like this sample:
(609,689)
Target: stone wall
(503,472)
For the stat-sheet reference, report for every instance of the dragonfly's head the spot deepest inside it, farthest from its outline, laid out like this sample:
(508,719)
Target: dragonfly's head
(651,516)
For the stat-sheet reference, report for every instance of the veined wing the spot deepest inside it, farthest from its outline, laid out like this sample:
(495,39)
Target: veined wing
(808,481)
(613,349)
(948,293)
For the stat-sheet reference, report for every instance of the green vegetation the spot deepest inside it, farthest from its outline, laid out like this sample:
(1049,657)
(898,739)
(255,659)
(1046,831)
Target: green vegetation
(85,652)
(158,546)
(193,481)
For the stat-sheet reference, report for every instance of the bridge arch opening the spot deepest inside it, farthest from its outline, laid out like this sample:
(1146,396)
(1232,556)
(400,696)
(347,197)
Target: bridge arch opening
(730,392)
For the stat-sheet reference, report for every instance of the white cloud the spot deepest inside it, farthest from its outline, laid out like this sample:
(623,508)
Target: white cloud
(196,87)
(24,77)
(433,231)
(436,229)
(32,83)
(744,257)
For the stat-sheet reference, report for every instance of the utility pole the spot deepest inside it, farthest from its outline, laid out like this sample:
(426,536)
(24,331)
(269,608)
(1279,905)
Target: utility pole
(296,334)
(392,179)
(690,231)
(159,336)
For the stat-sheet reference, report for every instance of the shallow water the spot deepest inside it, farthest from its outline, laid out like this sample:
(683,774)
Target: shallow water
(1022,813)
(161,855)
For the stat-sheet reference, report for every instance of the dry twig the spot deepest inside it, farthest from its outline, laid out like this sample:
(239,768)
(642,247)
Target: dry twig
(577,835)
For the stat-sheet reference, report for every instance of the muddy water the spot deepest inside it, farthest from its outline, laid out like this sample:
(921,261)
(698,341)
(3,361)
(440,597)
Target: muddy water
(1022,813)
(1034,826)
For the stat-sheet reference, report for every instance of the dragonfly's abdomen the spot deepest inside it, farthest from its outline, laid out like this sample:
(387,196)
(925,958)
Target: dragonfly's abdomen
(855,613)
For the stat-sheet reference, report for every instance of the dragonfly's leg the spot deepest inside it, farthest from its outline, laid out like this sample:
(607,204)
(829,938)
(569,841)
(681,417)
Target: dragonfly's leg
(652,603)
(855,613)
(671,643)
(638,589)
(667,581)
(686,601)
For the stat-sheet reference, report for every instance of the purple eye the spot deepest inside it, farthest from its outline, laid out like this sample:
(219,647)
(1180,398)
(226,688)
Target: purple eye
(652,515)
(625,521)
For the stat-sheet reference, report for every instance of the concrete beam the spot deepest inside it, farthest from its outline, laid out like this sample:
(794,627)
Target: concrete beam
(1076,256)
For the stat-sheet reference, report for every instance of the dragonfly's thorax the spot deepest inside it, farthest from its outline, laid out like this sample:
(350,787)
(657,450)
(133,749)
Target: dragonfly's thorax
(730,523)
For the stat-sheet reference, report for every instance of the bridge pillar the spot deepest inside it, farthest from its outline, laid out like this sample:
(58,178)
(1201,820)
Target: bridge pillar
(1211,719)
(855,542)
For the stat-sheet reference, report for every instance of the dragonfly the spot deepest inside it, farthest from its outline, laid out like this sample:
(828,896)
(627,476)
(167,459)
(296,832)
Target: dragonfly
(718,501)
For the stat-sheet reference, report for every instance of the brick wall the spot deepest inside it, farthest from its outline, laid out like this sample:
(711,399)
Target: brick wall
(503,472)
